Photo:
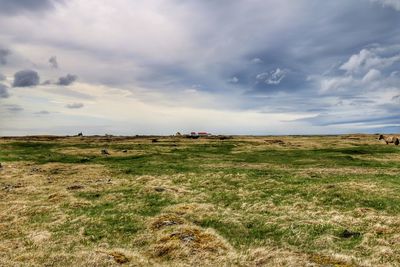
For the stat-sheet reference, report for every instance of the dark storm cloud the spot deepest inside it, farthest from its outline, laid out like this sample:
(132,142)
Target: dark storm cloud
(53,62)
(11,7)
(4,53)
(67,80)
(26,78)
(74,106)
(4,91)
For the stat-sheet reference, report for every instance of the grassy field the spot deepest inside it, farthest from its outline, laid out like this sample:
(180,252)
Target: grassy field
(244,201)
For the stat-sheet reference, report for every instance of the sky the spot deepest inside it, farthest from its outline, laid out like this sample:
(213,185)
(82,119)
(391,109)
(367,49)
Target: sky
(260,67)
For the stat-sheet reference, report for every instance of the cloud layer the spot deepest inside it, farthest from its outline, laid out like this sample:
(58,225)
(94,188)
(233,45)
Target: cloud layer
(326,67)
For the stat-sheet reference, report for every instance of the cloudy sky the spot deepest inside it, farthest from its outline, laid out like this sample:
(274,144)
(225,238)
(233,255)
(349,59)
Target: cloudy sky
(228,67)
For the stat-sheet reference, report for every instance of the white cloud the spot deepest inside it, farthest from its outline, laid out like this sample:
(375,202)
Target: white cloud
(372,75)
(368,59)
(340,83)
(356,61)
(273,77)
(366,71)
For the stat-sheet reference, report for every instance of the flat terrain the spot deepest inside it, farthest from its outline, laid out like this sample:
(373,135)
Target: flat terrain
(174,201)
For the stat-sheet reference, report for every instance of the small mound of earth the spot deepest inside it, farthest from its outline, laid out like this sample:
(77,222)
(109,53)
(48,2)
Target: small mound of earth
(186,241)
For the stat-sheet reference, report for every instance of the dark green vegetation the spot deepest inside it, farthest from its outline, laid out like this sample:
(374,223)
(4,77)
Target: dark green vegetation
(305,194)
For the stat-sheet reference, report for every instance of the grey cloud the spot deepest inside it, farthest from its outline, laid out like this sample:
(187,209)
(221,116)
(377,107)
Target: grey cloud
(12,7)
(53,62)
(328,120)
(42,112)
(256,60)
(74,106)
(4,91)
(26,78)
(390,3)
(14,108)
(47,82)
(2,77)
(4,53)
(234,79)
(67,80)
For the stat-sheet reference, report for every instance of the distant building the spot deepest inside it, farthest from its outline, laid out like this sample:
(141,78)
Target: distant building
(199,134)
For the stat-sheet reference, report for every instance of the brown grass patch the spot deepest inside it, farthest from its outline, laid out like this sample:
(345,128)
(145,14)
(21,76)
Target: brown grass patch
(186,241)
(267,256)
(119,257)
(40,237)
(329,261)
(162,185)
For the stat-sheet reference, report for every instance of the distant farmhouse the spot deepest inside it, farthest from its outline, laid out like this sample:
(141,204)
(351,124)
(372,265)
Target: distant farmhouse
(199,134)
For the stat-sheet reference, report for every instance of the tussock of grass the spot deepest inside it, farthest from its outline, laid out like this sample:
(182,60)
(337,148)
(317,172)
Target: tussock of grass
(184,242)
